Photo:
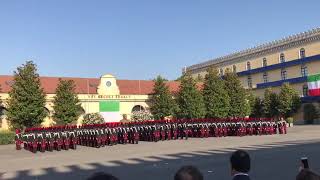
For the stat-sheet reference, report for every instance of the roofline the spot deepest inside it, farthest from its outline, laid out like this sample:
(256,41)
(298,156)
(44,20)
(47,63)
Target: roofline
(307,36)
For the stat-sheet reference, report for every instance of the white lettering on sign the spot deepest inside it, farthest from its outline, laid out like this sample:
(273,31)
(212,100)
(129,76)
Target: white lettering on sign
(109,96)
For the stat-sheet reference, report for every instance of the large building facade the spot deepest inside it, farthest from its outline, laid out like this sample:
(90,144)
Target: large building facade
(293,60)
(290,60)
(114,99)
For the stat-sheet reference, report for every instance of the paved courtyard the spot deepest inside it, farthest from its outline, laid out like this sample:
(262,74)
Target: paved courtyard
(273,157)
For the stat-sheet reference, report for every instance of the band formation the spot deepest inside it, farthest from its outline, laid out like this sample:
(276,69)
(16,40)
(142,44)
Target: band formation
(108,134)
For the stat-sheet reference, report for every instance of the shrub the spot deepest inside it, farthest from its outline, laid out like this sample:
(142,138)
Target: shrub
(6,137)
(93,118)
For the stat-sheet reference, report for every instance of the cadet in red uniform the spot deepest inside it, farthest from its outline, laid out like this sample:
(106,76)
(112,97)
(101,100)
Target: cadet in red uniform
(18,139)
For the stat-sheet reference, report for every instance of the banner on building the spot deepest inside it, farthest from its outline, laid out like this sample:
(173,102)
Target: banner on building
(110,110)
(314,85)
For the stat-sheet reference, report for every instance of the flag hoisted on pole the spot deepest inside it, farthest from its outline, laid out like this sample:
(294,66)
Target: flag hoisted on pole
(314,85)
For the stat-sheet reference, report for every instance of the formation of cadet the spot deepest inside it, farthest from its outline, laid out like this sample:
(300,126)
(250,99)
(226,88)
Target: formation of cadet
(109,134)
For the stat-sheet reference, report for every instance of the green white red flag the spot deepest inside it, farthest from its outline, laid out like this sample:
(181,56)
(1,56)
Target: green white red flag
(314,85)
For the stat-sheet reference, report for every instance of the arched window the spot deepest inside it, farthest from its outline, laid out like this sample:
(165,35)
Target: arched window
(46,109)
(283,74)
(282,58)
(304,70)
(221,72)
(249,81)
(248,65)
(82,111)
(265,77)
(302,53)
(3,111)
(137,108)
(264,62)
(199,78)
(234,68)
(305,90)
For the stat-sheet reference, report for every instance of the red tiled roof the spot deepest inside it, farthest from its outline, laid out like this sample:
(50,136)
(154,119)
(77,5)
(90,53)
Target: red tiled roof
(89,85)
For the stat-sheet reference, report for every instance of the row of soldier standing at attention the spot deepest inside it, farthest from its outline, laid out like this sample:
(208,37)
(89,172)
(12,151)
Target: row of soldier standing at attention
(240,165)
(109,134)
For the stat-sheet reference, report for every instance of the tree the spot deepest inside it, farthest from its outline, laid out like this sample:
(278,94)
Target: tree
(162,102)
(67,108)
(216,98)
(270,103)
(239,105)
(257,107)
(289,101)
(26,102)
(189,98)
(251,99)
(93,118)
(1,110)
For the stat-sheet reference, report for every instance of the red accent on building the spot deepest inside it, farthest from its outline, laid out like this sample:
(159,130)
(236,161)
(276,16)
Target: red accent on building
(89,85)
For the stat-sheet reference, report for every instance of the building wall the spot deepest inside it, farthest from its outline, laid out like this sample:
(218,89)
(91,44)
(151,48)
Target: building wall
(89,106)
(90,102)
(274,75)
(290,54)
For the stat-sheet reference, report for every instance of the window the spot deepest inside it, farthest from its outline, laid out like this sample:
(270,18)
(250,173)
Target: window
(283,74)
(305,90)
(199,78)
(234,68)
(248,66)
(2,111)
(302,53)
(137,108)
(221,72)
(264,62)
(282,58)
(304,70)
(265,77)
(249,81)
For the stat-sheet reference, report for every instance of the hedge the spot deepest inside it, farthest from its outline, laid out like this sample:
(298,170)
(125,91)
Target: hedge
(6,137)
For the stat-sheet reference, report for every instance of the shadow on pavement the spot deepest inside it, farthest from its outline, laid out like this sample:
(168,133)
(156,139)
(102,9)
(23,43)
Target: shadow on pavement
(277,161)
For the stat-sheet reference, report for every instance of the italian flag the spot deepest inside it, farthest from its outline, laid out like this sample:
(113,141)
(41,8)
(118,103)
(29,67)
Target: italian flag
(110,111)
(314,85)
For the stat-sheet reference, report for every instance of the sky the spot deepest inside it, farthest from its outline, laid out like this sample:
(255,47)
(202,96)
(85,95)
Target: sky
(140,39)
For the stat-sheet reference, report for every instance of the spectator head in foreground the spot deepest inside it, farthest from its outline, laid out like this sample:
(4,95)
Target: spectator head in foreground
(102,176)
(188,173)
(240,163)
(306,174)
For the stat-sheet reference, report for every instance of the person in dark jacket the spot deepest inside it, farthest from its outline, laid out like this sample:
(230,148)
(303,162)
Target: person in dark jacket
(240,165)
(102,176)
(188,173)
(306,174)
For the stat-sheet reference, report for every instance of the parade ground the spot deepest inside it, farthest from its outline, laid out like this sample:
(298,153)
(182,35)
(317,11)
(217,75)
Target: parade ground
(273,157)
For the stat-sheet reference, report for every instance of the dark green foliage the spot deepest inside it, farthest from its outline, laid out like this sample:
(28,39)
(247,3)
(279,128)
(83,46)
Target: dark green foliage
(26,105)
(67,108)
(190,100)
(270,104)
(257,107)
(216,98)
(289,101)
(251,100)
(310,113)
(6,137)
(239,105)
(162,102)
